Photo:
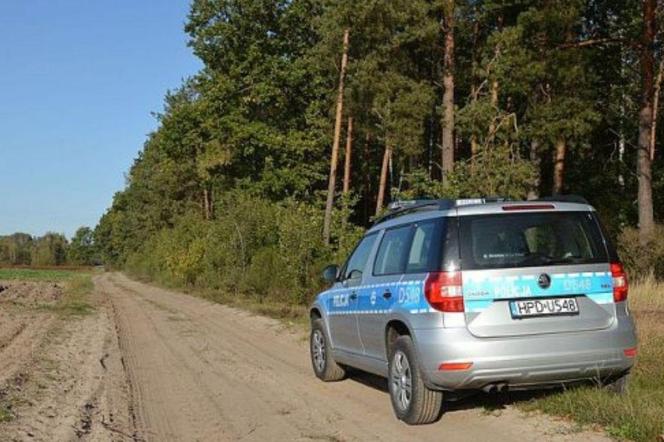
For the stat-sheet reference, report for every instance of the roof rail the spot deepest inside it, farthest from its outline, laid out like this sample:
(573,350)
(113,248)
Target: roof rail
(400,208)
(565,199)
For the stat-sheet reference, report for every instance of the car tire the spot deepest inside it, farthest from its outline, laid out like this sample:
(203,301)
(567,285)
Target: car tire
(619,385)
(418,404)
(324,365)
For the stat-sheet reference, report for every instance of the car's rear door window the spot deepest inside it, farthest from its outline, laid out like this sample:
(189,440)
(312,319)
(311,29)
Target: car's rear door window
(425,247)
(530,239)
(393,252)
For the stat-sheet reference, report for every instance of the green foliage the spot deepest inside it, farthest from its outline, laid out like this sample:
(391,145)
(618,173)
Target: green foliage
(498,171)
(36,275)
(81,250)
(16,249)
(52,249)
(642,259)
(254,248)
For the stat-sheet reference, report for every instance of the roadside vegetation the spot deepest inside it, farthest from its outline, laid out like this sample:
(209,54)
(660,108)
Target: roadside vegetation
(30,274)
(76,299)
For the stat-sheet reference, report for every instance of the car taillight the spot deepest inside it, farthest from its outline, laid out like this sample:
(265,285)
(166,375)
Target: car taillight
(443,290)
(620,286)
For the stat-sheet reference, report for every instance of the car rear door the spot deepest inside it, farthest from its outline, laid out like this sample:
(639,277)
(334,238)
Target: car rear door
(534,272)
(405,255)
(382,289)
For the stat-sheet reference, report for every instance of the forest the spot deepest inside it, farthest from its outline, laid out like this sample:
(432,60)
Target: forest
(51,249)
(309,116)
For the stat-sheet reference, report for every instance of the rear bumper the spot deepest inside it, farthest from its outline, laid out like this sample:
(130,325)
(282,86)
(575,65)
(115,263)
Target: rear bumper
(524,362)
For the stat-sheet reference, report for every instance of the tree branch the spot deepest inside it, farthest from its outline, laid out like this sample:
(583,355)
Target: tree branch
(590,42)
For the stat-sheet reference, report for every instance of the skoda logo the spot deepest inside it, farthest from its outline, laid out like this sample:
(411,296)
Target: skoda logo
(544,281)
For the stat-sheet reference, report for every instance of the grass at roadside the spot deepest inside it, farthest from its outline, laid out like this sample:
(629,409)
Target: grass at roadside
(5,412)
(47,275)
(290,314)
(638,415)
(75,301)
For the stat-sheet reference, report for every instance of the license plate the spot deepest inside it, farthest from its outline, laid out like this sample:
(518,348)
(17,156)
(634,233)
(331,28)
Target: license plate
(528,308)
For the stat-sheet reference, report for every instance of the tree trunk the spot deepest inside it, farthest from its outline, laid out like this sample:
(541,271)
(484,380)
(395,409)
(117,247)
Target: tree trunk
(559,166)
(367,177)
(643,164)
(335,144)
(495,86)
(655,109)
(535,159)
(347,159)
(448,93)
(474,89)
(207,204)
(387,156)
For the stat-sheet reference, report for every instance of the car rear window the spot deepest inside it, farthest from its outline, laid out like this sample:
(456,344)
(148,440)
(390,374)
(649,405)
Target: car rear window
(393,251)
(530,240)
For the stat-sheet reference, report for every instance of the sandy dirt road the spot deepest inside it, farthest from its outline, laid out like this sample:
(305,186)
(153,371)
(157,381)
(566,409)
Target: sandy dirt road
(150,364)
(202,371)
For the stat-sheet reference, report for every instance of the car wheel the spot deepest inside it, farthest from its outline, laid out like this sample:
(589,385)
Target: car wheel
(412,401)
(324,365)
(619,385)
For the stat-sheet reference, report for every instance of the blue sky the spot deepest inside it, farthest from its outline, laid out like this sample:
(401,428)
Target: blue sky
(78,82)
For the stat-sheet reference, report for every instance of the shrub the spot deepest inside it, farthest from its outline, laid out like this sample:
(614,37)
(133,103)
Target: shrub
(642,259)
(254,247)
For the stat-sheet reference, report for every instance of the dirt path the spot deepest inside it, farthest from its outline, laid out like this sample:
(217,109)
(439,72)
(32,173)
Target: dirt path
(201,371)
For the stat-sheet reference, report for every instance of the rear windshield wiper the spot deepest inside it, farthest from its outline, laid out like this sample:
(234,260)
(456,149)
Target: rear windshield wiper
(567,260)
(539,258)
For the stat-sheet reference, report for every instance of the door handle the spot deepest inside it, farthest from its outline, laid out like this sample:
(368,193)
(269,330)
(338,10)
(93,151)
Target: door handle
(353,296)
(387,294)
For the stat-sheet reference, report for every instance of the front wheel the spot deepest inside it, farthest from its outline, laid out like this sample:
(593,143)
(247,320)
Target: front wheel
(324,365)
(412,401)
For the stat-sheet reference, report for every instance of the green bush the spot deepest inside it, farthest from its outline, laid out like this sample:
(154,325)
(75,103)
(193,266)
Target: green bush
(642,259)
(254,248)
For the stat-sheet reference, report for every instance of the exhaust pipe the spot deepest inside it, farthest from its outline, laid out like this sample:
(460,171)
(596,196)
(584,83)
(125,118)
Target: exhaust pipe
(500,387)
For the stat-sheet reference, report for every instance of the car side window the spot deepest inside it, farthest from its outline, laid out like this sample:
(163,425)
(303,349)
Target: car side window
(358,259)
(422,255)
(393,251)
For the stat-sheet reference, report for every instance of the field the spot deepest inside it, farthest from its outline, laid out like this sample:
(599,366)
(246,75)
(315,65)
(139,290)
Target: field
(36,309)
(28,274)
(638,415)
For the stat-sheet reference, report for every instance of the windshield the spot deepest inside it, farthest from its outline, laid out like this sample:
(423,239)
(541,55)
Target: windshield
(530,240)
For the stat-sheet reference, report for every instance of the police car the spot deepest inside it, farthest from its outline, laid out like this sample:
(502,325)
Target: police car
(443,297)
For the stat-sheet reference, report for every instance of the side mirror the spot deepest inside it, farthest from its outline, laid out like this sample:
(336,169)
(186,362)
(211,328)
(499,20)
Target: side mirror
(330,273)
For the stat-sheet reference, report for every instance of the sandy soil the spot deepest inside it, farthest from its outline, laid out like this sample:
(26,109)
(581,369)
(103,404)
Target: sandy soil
(152,364)
(29,293)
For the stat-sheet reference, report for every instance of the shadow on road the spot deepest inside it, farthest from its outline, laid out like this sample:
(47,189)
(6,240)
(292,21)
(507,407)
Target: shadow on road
(487,401)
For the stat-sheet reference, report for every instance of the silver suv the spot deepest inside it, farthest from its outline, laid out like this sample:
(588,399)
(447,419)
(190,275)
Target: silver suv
(450,296)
